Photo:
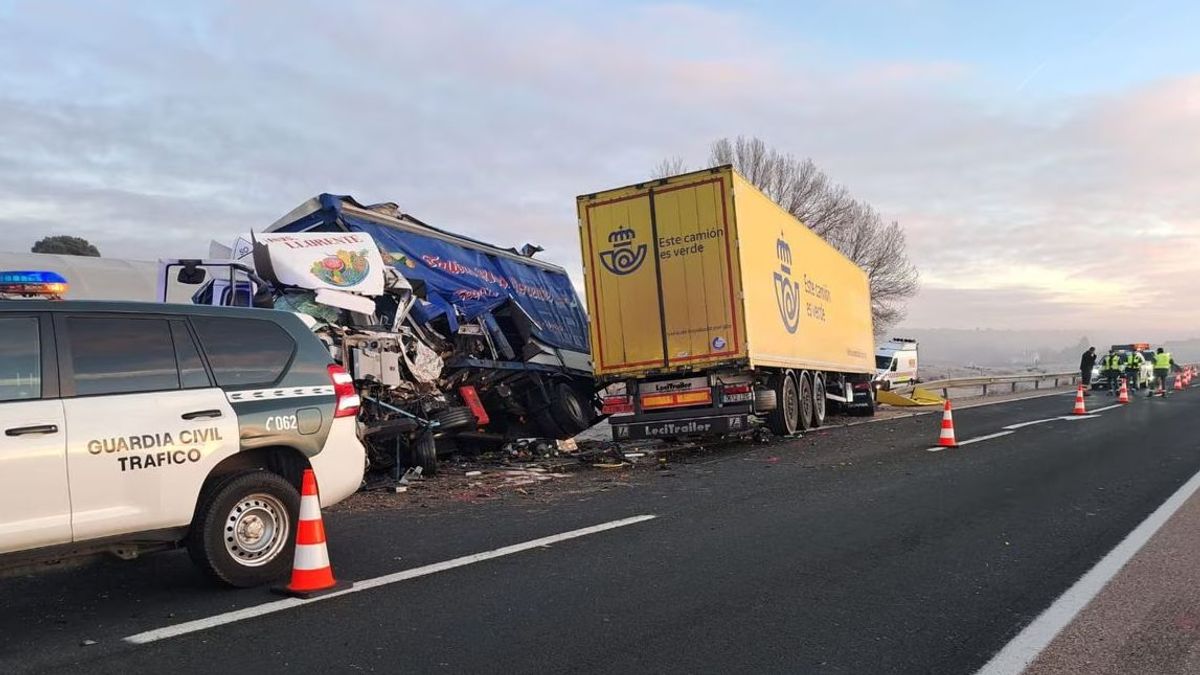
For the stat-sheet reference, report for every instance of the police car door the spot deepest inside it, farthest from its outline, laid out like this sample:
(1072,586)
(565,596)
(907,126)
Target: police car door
(145,425)
(35,509)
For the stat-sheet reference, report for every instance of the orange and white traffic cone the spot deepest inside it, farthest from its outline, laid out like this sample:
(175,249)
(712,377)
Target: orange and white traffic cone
(1080,409)
(1123,394)
(946,438)
(1178,386)
(311,572)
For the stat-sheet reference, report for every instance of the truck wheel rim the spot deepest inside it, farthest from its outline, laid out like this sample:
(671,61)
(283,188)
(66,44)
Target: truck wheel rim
(256,530)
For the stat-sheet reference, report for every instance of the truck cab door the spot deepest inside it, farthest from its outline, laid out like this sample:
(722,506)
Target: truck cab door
(35,507)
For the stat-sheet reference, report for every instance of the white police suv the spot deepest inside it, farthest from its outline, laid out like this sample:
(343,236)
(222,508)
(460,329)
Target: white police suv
(132,427)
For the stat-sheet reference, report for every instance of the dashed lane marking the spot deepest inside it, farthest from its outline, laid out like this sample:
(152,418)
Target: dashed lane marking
(971,440)
(1019,425)
(367,584)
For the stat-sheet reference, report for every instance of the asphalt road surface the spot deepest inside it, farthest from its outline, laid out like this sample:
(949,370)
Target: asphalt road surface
(852,550)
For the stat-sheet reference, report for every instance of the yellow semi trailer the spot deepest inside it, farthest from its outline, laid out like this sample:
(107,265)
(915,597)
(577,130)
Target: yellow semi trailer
(715,307)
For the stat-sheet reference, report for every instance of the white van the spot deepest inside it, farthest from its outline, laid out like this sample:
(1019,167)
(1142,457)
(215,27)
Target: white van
(896,363)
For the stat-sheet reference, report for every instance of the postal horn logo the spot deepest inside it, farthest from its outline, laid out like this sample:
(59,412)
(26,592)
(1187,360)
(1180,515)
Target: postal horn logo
(626,255)
(787,290)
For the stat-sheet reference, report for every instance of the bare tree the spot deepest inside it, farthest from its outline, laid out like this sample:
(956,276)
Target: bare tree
(671,166)
(828,209)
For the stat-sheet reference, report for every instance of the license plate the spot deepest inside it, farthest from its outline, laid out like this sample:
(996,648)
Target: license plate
(694,427)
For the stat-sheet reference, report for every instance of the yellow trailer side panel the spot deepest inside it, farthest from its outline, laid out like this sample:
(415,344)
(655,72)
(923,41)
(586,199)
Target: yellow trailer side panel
(661,275)
(810,307)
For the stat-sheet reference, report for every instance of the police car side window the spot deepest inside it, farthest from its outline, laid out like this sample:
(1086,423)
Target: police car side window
(191,369)
(244,352)
(20,359)
(116,355)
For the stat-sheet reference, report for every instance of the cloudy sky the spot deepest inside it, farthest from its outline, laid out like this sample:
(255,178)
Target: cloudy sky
(1044,162)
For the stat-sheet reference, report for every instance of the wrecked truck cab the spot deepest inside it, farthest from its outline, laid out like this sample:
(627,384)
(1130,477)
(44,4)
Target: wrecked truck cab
(460,346)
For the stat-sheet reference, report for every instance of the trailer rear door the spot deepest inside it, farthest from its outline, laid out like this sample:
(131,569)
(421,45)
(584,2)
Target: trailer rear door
(661,275)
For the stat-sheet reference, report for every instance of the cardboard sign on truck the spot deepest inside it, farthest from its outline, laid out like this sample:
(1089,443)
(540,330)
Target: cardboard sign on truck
(715,307)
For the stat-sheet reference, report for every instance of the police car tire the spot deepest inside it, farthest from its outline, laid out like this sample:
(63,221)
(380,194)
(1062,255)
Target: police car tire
(206,538)
(424,453)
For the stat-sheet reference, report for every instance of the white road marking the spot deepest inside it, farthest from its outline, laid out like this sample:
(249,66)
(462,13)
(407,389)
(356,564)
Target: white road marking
(971,440)
(1088,416)
(1108,407)
(985,438)
(1019,425)
(1025,647)
(367,584)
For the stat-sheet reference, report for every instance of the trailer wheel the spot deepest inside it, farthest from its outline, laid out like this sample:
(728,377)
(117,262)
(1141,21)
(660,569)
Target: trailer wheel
(819,410)
(805,420)
(785,418)
(424,453)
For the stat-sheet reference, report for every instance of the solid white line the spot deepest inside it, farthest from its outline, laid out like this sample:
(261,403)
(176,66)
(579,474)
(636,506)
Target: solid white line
(280,605)
(1013,427)
(1109,407)
(985,438)
(1025,647)
(1088,416)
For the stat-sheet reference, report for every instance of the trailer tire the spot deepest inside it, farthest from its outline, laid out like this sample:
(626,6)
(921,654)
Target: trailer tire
(784,420)
(570,409)
(805,420)
(424,453)
(869,410)
(454,418)
(819,400)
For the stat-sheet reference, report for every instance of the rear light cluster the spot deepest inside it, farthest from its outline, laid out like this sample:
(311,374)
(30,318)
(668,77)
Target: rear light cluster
(347,398)
(617,405)
(677,400)
(737,393)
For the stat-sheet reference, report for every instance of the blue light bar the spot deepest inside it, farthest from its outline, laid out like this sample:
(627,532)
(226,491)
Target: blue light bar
(44,277)
(33,284)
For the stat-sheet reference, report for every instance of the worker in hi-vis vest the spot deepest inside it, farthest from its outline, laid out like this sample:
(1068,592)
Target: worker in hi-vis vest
(1112,366)
(1162,368)
(1133,368)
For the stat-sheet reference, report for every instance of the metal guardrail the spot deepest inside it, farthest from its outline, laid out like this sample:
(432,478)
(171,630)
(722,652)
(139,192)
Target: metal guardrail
(1012,380)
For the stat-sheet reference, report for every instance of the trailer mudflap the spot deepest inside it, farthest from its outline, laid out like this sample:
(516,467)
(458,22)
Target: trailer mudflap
(721,424)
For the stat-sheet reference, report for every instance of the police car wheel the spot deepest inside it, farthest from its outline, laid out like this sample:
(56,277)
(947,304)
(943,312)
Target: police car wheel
(243,533)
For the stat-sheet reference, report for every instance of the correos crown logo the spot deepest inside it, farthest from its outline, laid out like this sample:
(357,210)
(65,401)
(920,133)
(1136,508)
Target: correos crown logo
(624,257)
(787,291)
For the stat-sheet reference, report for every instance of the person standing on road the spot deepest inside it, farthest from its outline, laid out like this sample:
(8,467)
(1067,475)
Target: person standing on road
(1111,367)
(1086,363)
(1133,369)
(1162,368)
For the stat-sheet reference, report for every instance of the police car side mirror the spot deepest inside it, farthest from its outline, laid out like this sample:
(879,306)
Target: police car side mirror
(190,274)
